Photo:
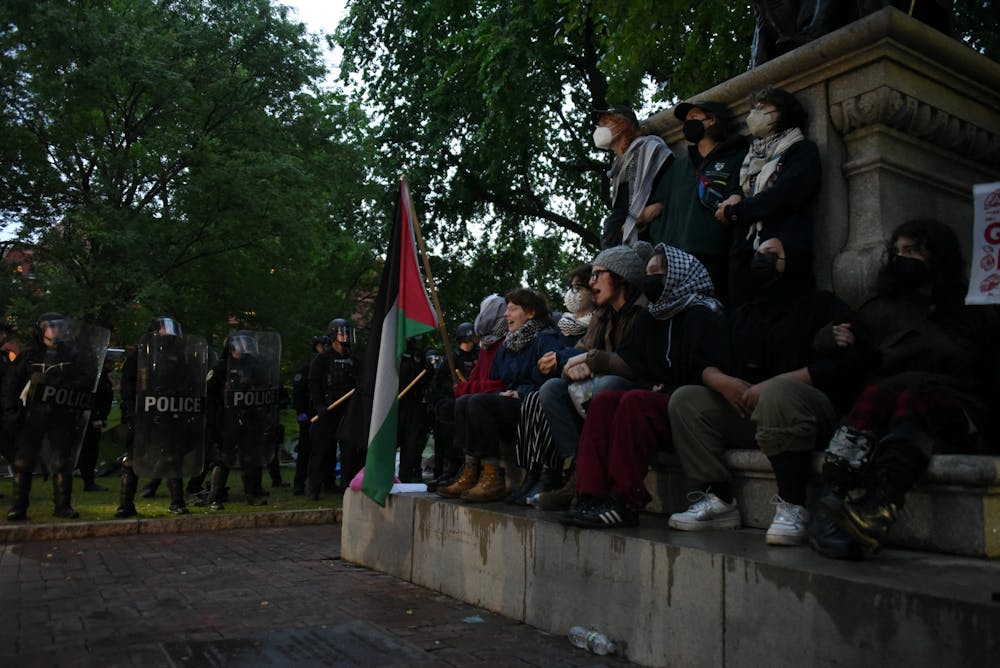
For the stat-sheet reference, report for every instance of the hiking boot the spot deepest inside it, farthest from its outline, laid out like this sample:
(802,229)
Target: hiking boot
(559,499)
(866,521)
(789,524)
(492,486)
(601,514)
(466,481)
(706,512)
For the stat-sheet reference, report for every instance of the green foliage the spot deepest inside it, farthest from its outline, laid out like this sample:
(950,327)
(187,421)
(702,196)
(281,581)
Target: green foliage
(179,157)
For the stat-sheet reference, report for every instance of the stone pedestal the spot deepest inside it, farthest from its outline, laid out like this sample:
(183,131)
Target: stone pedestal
(906,119)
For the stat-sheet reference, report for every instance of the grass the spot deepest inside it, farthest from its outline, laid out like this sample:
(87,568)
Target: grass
(101,505)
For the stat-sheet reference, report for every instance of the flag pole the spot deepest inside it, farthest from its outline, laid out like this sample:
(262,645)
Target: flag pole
(434,296)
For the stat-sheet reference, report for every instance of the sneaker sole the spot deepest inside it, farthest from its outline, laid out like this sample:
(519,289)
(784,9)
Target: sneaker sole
(704,525)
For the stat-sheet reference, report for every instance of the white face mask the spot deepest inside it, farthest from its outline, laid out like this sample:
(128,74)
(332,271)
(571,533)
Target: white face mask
(759,123)
(572,300)
(603,137)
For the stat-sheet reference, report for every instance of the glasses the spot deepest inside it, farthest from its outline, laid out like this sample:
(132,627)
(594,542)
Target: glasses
(576,287)
(595,275)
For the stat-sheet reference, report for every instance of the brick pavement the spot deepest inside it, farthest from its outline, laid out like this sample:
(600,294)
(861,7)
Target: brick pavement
(250,597)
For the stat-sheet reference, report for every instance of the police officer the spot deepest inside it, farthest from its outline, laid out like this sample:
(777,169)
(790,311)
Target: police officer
(243,387)
(95,428)
(413,425)
(46,397)
(332,374)
(164,326)
(304,412)
(448,460)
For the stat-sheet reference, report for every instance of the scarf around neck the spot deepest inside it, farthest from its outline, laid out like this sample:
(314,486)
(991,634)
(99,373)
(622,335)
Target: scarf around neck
(638,165)
(522,337)
(571,325)
(760,167)
(688,284)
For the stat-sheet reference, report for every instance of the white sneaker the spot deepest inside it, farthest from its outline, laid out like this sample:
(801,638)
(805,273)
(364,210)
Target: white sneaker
(789,524)
(707,512)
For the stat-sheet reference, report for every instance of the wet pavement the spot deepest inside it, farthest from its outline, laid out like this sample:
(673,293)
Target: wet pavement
(247,597)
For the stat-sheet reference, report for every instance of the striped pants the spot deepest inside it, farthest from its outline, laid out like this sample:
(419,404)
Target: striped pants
(534,440)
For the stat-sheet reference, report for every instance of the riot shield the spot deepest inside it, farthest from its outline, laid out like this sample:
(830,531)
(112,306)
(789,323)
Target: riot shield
(60,393)
(250,403)
(170,406)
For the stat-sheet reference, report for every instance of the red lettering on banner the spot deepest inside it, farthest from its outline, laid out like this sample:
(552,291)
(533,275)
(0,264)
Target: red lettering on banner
(992,233)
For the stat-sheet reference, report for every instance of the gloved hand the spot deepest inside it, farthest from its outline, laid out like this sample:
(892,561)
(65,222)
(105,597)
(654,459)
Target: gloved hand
(302,418)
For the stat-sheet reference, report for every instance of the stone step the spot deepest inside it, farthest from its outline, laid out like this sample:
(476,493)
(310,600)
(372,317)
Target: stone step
(686,599)
(955,509)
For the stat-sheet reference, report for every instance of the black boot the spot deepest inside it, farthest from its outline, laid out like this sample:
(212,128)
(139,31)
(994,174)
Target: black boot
(449,471)
(220,474)
(22,488)
(253,486)
(62,493)
(177,505)
(149,489)
(897,464)
(126,496)
(531,480)
(825,536)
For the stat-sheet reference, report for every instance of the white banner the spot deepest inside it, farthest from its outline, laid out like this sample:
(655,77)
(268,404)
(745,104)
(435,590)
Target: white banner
(984,278)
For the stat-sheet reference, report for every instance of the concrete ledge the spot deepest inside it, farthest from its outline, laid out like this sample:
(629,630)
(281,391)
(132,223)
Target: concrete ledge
(27,532)
(683,599)
(954,509)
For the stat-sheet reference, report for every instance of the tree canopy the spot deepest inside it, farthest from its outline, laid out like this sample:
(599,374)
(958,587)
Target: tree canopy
(179,157)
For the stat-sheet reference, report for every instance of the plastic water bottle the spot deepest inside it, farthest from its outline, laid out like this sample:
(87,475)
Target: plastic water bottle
(591,640)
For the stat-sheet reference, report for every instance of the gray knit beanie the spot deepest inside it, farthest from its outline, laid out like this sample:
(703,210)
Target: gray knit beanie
(623,261)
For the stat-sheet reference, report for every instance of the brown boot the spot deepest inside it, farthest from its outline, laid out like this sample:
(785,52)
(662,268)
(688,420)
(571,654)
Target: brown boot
(559,499)
(467,480)
(492,486)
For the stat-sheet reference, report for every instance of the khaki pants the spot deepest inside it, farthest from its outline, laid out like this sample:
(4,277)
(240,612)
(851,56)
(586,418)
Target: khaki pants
(790,416)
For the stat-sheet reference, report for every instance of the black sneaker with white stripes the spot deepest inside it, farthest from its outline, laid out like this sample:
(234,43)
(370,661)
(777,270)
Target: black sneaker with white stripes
(601,514)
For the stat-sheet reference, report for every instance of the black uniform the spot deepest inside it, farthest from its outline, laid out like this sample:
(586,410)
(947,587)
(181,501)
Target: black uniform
(92,440)
(304,411)
(332,374)
(413,426)
(442,400)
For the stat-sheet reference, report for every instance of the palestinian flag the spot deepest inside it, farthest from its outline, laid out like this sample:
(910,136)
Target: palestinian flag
(402,310)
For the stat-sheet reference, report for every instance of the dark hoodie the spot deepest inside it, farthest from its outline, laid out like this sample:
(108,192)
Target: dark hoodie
(789,325)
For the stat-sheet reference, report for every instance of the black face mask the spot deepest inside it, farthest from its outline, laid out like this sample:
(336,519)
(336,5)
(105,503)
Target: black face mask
(908,271)
(652,286)
(694,130)
(764,271)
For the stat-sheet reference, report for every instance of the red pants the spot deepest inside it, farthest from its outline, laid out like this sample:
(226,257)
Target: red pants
(620,435)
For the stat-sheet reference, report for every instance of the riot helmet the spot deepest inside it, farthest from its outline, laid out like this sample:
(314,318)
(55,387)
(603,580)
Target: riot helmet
(52,328)
(243,343)
(465,332)
(434,358)
(321,341)
(340,327)
(164,325)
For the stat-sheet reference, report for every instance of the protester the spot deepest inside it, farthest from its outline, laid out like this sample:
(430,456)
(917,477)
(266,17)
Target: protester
(536,455)
(623,429)
(638,166)
(610,356)
(788,369)
(483,421)
(695,185)
(779,179)
(935,389)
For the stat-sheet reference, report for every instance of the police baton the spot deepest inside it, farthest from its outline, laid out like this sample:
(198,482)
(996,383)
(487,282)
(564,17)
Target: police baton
(334,404)
(412,383)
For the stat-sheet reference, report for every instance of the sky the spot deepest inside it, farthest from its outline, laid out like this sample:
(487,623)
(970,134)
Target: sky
(320,16)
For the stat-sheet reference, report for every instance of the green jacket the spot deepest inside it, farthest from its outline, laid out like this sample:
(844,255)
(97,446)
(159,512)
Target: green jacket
(690,191)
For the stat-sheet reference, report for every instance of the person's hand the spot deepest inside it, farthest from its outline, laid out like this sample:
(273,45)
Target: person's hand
(732,390)
(547,363)
(751,396)
(578,372)
(510,393)
(842,335)
(720,211)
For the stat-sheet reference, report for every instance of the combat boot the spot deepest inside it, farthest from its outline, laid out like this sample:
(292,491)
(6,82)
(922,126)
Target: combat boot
(220,475)
(177,504)
(62,492)
(559,499)
(22,488)
(126,496)
(467,480)
(253,486)
(492,486)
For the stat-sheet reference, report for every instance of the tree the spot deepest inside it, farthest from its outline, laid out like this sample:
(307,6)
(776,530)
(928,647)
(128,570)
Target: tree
(178,156)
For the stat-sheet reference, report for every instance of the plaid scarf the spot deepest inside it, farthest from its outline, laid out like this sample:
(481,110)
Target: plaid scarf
(687,284)
(523,336)
(570,325)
